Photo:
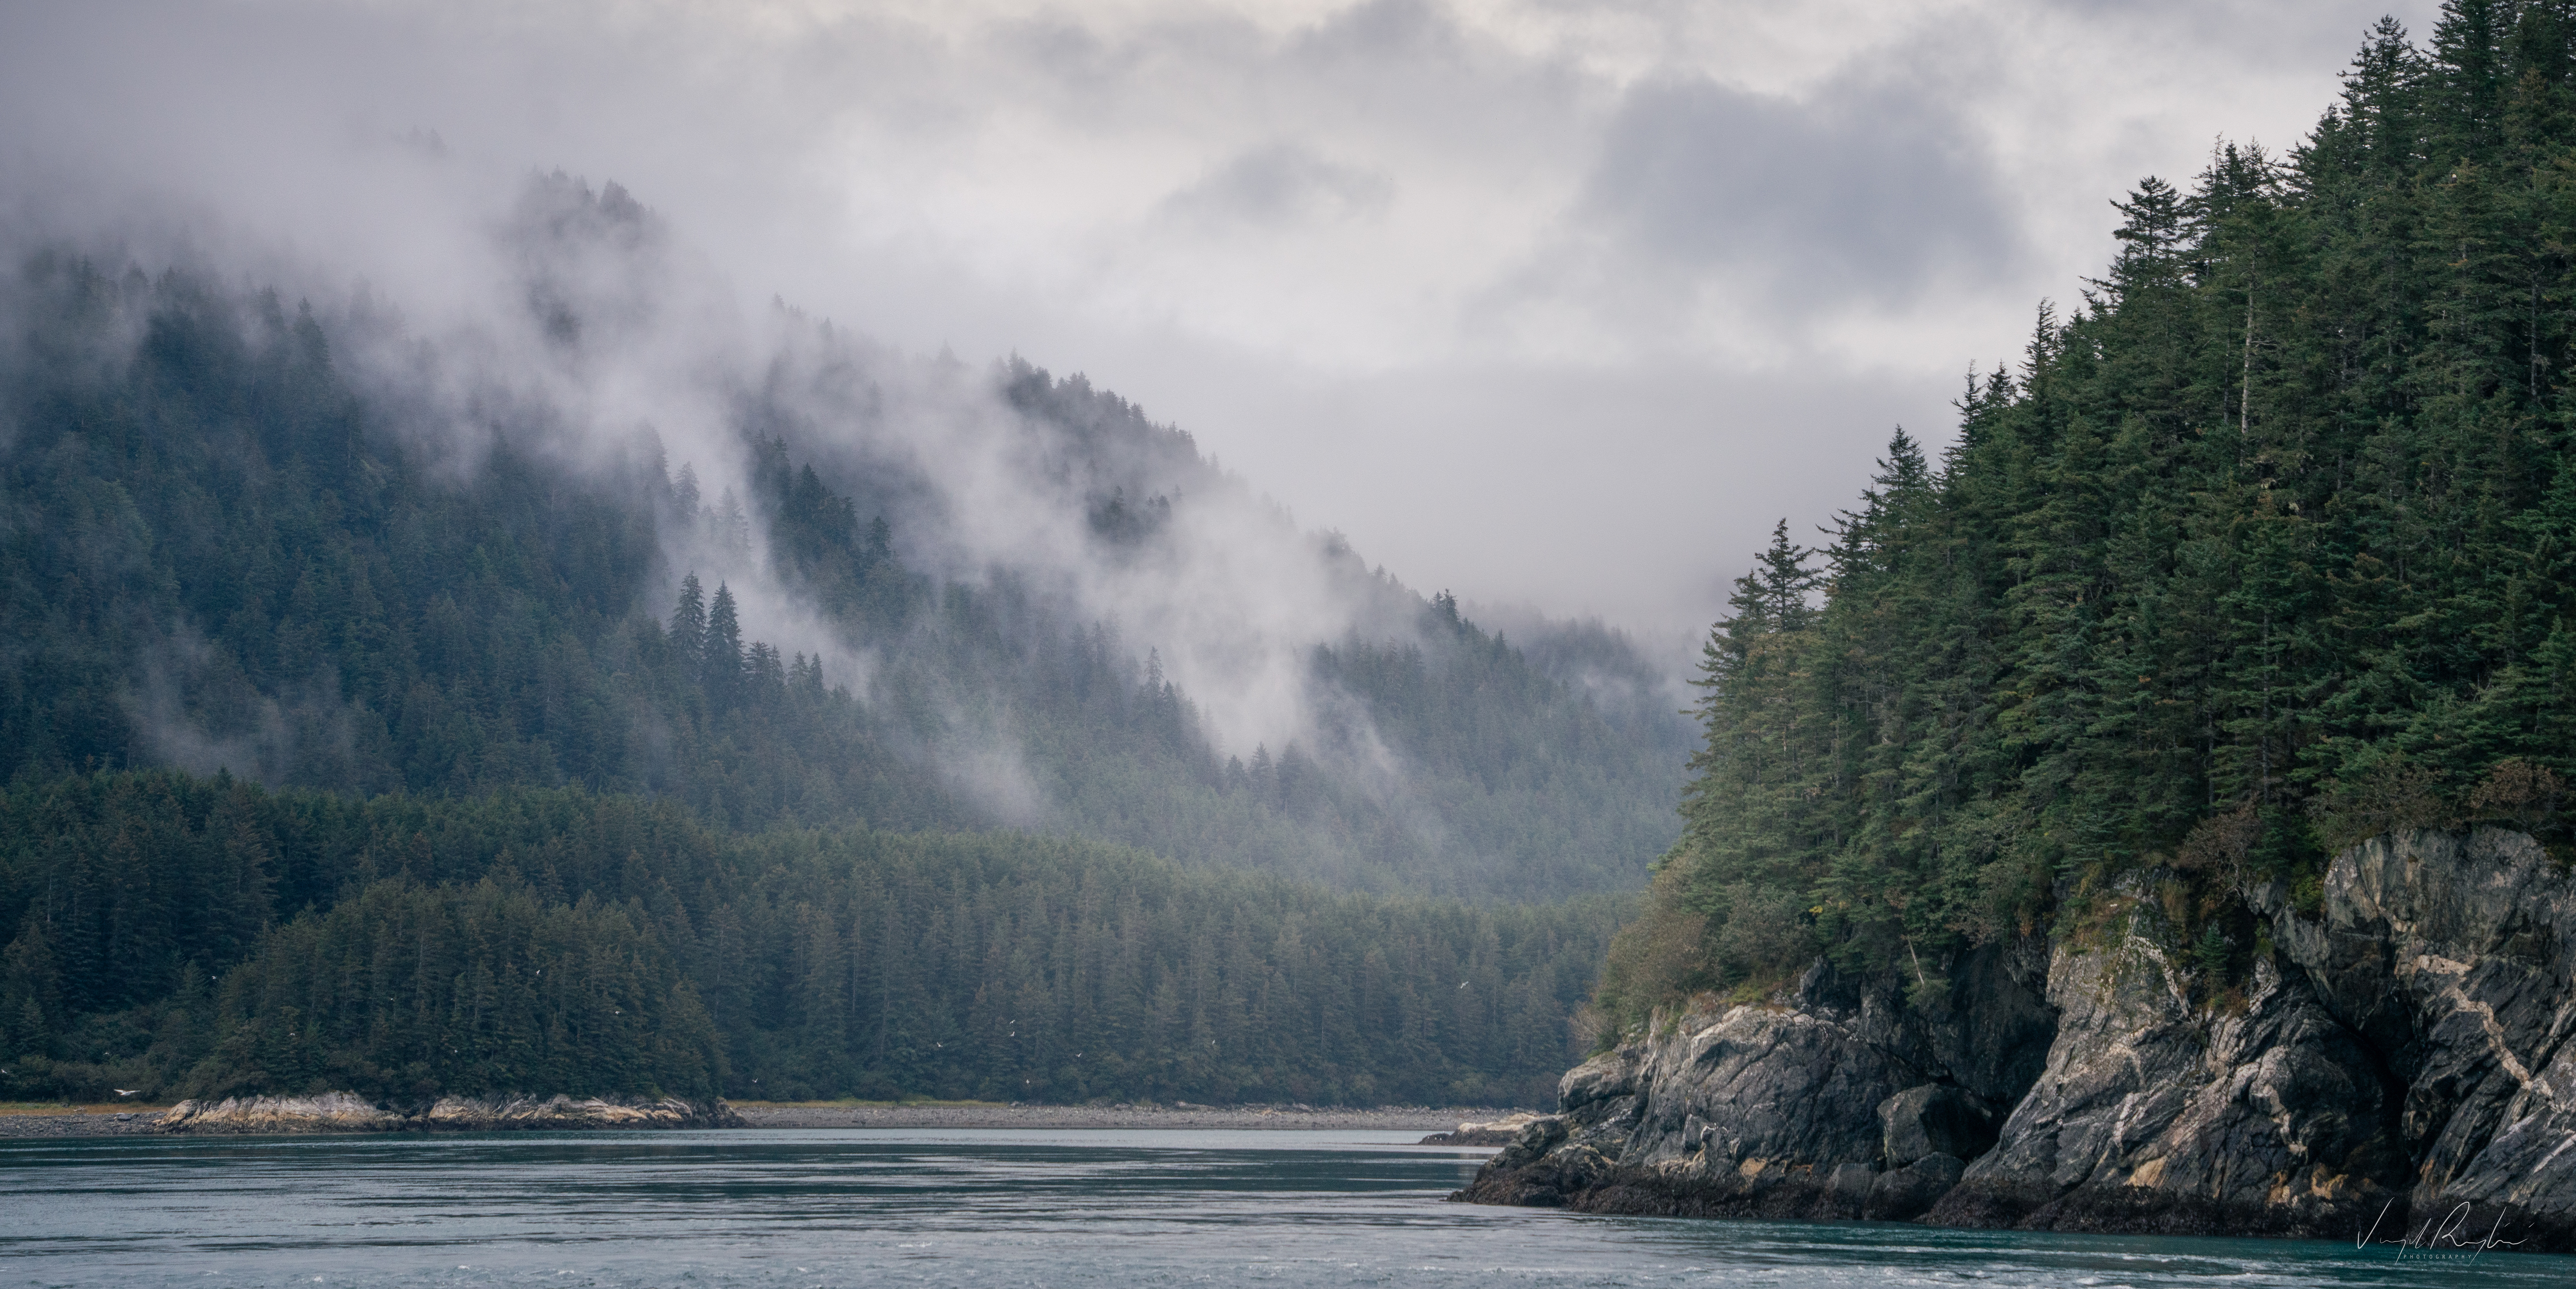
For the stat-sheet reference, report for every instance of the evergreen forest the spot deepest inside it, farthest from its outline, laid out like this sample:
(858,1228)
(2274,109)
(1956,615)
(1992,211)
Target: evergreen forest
(205,937)
(2264,546)
(223,553)
(360,734)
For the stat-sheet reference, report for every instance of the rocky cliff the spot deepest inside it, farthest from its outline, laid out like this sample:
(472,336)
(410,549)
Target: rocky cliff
(2393,1054)
(343,1112)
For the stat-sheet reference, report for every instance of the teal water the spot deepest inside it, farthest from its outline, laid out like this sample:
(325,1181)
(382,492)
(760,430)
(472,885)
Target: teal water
(987,1208)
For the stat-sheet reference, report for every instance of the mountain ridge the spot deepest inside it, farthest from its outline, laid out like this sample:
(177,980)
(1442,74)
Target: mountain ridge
(418,582)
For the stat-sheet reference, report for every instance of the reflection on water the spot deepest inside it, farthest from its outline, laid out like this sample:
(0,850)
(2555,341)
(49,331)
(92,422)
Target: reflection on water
(990,1207)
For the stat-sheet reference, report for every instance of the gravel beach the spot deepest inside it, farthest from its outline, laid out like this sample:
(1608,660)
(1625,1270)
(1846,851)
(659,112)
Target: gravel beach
(1425,1119)
(106,1122)
(80,1123)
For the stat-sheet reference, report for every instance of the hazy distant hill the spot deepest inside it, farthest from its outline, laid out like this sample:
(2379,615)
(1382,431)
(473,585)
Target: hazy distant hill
(666,702)
(320,548)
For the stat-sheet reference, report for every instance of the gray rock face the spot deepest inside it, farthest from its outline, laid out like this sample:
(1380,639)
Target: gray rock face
(1491,1132)
(2272,1120)
(1911,1191)
(1933,1119)
(2455,958)
(2403,1052)
(329,1112)
(1763,1108)
(1766,1087)
(1990,1035)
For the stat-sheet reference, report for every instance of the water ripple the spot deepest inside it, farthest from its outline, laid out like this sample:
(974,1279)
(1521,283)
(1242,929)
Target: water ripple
(987,1208)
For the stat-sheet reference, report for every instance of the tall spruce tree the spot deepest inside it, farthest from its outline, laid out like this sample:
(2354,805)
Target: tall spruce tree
(2259,551)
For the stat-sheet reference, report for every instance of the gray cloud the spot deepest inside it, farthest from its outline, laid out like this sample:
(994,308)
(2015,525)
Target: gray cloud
(1278,185)
(1397,32)
(1712,247)
(1860,193)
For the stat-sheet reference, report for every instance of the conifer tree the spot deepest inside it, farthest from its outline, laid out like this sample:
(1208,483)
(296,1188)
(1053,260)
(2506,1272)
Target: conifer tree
(721,658)
(2260,551)
(688,632)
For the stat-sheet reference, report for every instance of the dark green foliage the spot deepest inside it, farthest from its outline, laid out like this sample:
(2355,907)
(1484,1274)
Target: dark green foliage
(1497,754)
(558,941)
(215,556)
(216,553)
(529,826)
(2210,954)
(2263,550)
(408,991)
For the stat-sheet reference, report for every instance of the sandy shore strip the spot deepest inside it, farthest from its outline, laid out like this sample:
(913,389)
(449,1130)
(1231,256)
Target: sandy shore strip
(122,1120)
(1420,1119)
(47,1119)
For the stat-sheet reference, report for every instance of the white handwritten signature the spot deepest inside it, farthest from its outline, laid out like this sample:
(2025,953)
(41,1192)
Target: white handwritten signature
(2441,1233)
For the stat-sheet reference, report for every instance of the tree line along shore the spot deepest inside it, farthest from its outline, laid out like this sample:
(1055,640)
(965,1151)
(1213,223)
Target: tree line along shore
(203,938)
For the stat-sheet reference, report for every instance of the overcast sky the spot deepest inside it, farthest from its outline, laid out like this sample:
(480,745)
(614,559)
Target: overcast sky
(1551,303)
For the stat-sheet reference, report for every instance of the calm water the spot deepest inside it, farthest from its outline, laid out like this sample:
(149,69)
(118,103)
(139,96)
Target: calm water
(987,1208)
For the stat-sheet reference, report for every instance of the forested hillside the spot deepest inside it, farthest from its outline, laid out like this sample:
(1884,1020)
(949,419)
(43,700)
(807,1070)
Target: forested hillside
(842,754)
(203,937)
(222,551)
(2264,547)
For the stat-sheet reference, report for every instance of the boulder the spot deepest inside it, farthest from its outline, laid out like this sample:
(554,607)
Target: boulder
(1907,1193)
(1932,1119)
(1493,1132)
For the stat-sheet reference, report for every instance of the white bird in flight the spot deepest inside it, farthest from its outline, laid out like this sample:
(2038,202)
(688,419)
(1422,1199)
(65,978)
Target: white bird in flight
(125,1092)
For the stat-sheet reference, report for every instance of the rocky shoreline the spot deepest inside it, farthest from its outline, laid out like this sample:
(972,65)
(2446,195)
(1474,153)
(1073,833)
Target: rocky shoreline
(1490,1132)
(343,1113)
(2398,1055)
(81,1123)
(1180,1116)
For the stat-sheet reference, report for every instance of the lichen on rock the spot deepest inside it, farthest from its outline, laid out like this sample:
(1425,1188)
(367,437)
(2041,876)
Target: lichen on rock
(347,1112)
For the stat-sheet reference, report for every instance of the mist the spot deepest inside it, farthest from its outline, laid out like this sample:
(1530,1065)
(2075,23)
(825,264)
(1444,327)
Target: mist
(1209,340)
(1556,305)
(475,303)
(571,327)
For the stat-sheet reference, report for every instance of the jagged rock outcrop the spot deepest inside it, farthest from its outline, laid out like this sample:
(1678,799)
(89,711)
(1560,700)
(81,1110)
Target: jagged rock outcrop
(2454,957)
(1763,1109)
(329,1112)
(344,1112)
(2400,1053)
(489,1114)
(1492,1132)
(2156,1113)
